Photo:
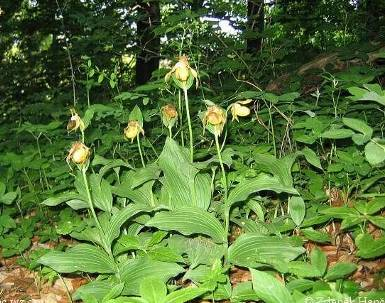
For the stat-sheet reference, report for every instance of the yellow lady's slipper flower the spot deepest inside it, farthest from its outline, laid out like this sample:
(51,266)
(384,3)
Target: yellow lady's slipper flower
(133,129)
(181,72)
(239,110)
(215,116)
(75,122)
(169,112)
(78,154)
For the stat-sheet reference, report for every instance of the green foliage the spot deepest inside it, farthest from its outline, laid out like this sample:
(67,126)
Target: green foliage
(158,222)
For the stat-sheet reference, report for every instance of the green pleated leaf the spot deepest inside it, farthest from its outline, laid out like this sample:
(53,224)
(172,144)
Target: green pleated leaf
(188,221)
(253,248)
(297,209)
(279,168)
(100,193)
(134,271)
(182,185)
(82,257)
(262,182)
(112,230)
(185,294)
(153,289)
(61,198)
(269,289)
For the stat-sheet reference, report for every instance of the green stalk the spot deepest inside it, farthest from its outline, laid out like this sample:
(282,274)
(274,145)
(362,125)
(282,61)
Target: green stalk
(106,247)
(90,203)
(140,150)
(189,125)
(170,132)
(180,117)
(224,184)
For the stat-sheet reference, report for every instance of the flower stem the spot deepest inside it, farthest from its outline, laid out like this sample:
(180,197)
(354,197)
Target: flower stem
(180,117)
(224,184)
(170,132)
(189,125)
(140,150)
(90,204)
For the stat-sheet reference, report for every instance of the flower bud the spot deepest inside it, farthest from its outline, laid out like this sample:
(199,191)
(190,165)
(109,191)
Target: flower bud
(132,130)
(79,153)
(75,122)
(214,117)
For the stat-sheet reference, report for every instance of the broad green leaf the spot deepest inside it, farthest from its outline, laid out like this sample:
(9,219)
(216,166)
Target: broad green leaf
(340,270)
(360,94)
(269,289)
(378,221)
(252,248)
(341,212)
(262,182)
(279,168)
(188,221)
(61,198)
(303,269)
(316,236)
(375,205)
(82,257)
(340,133)
(8,198)
(319,260)
(311,157)
(135,270)
(199,250)
(142,175)
(112,229)
(243,292)
(182,186)
(369,247)
(297,209)
(358,125)
(114,292)
(185,294)
(100,193)
(375,152)
(153,289)
(97,289)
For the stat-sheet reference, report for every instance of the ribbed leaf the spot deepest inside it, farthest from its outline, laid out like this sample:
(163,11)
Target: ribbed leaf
(181,183)
(101,193)
(82,257)
(153,290)
(262,182)
(185,294)
(253,248)
(61,198)
(279,168)
(190,220)
(112,230)
(134,271)
(269,289)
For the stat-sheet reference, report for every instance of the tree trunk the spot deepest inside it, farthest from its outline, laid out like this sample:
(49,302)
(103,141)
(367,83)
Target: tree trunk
(255,24)
(147,59)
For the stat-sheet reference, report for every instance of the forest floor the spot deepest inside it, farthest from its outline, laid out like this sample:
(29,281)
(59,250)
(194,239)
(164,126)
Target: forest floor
(18,284)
